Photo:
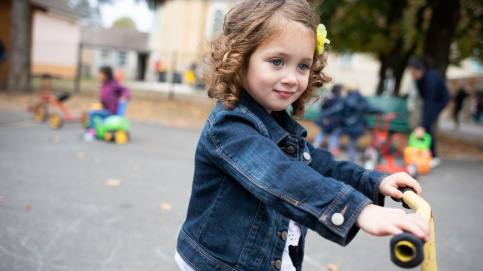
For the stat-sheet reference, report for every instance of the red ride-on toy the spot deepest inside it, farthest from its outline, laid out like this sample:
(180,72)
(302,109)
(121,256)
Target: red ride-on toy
(387,146)
(59,114)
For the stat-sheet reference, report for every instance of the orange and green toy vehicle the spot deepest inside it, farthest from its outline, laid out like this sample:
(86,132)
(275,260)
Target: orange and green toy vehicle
(418,153)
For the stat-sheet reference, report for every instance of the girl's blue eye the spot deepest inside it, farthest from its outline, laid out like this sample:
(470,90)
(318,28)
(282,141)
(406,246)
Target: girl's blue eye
(304,67)
(277,62)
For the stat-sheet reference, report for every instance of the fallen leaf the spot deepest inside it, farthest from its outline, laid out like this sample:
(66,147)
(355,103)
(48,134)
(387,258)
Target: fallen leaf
(28,207)
(80,155)
(333,267)
(1,198)
(135,168)
(56,139)
(165,206)
(97,160)
(448,177)
(113,182)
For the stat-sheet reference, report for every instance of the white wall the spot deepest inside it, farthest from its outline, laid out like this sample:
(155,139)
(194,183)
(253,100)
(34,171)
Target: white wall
(55,40)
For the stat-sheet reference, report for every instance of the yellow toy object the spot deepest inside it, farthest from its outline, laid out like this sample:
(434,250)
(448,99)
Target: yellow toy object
(95,106)
(407,250)
(418,153)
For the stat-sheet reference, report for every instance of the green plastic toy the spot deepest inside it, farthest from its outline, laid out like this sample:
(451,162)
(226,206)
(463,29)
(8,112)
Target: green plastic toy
(420,143)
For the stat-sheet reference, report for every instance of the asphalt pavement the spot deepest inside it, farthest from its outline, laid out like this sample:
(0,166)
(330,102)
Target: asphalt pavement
(72,205)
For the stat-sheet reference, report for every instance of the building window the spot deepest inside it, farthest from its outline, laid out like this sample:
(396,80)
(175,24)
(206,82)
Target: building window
(347,60)
(122,58)
(215,17)
(105,56)
(218,22)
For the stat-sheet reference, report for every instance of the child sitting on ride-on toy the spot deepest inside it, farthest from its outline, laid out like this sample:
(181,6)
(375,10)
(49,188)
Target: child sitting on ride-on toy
(112,93)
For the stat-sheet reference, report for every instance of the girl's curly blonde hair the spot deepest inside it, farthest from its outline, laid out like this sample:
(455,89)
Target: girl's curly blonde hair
(246,26)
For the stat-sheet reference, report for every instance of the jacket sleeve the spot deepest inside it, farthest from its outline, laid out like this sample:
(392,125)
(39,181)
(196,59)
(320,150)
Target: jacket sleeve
(241,148)
(124,92)
(363,180)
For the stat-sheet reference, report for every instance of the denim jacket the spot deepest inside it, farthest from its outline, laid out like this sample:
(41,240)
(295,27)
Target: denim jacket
(253,174)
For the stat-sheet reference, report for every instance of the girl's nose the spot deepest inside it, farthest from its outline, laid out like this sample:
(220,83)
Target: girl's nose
(289,79)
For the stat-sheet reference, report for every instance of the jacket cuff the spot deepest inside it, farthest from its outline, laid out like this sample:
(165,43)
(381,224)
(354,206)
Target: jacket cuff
(369,186)
(337,223)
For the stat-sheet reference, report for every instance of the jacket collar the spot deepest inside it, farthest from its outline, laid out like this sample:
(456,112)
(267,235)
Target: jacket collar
(278,129)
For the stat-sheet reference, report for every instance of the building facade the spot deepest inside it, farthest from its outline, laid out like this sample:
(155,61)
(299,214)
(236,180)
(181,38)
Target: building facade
(124,50)
(182,31)
(55,39)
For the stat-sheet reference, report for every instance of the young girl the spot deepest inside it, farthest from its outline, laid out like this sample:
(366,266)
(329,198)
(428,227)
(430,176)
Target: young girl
(258,184)
(111,94)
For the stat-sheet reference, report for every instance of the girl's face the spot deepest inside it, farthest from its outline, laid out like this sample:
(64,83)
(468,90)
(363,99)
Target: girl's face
(278,70)
(101,77)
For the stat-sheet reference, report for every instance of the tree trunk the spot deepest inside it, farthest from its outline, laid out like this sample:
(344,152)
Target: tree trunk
(444,20)
(382,75)
(19,74)
(390,58)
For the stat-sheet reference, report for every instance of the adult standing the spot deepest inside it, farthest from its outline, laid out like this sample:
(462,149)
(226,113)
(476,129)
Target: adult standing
(459,99)
(435,95)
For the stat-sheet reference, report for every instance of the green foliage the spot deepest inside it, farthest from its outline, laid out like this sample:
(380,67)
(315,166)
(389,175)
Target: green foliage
(393,30)
(469,35)
(124,22)
(371,26)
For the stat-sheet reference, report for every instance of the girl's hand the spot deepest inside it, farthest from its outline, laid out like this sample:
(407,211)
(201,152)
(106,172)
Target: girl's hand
(380,221)
(389,186)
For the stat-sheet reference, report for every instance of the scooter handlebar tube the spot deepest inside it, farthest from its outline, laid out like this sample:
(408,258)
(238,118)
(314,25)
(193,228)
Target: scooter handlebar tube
(407,250)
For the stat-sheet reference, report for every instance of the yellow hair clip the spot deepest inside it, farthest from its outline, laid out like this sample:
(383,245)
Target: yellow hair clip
(321,38)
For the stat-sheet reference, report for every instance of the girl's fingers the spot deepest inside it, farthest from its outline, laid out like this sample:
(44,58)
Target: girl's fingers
(393,230)
(422,224)
(417,226)
(405,180)
(395,193)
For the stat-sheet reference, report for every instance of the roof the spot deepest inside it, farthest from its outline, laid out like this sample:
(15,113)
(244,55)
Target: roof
(59,7)
(122,38)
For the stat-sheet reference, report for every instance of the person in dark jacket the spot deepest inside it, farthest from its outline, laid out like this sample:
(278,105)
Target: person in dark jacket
(459,99)
(111,94)
(353,124)
(3,53)
(328,122)
(435,95)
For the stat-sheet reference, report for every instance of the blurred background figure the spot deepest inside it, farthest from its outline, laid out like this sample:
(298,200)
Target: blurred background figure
(120,74)
(191,74)
(329,121)
(3,52)
(460,97)
(158,68)
(353,124)
(110,95)
(435,95)
(477,107)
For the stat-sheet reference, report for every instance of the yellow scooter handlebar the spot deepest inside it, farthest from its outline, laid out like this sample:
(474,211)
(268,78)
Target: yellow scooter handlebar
(407,250)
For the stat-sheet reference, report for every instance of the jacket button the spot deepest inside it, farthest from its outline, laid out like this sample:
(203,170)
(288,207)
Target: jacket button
(337,219)
(290,150)
(307,156)
(278,264)
(283,235)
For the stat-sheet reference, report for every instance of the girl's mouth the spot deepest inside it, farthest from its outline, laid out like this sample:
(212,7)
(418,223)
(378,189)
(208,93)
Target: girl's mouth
(284,94)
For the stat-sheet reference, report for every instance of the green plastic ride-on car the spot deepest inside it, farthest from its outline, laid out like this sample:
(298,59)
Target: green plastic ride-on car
(114,128)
